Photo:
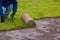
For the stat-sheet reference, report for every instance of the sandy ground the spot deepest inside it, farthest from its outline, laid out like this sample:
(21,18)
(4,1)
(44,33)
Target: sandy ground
(46,29)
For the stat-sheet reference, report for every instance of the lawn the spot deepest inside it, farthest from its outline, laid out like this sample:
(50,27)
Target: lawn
(35,8)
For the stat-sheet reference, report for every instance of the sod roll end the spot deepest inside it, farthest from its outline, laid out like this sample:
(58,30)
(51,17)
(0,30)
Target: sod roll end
(28,20)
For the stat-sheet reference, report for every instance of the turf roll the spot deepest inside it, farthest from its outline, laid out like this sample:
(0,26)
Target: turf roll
(28,20)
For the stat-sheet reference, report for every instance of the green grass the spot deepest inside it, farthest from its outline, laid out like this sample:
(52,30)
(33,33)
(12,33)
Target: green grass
(35,8)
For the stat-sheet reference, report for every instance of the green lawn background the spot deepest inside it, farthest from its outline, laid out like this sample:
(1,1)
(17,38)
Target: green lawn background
(35,8)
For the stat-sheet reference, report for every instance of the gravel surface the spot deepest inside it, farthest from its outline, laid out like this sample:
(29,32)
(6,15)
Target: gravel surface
(46,29)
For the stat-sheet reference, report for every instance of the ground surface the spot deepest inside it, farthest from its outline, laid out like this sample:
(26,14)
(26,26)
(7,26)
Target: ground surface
(35,8)
(46,29)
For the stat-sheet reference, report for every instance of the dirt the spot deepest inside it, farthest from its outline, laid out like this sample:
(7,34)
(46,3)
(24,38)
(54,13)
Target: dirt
(46,29)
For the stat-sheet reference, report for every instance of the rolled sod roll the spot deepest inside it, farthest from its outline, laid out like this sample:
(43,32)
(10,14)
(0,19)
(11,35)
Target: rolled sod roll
(28,20)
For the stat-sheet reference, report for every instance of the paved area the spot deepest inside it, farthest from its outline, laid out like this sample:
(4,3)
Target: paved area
(46,29)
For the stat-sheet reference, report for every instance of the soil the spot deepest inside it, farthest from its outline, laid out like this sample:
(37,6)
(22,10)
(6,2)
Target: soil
(46,29)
